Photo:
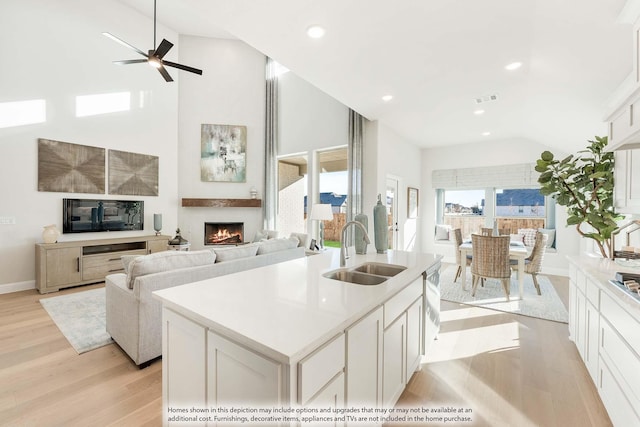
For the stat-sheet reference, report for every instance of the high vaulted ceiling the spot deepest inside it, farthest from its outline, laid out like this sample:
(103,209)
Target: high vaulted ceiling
(436,57)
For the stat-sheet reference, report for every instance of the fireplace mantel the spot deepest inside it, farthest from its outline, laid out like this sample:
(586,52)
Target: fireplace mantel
(221,203)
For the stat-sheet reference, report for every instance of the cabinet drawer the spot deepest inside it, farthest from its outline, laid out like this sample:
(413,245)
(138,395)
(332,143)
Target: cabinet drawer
(593,293)
(401,301)
(625,361)
(99,266)
(620,410)
(316,370)
(622,322)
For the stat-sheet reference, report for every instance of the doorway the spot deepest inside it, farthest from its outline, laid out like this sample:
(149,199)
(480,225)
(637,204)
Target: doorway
(392,211)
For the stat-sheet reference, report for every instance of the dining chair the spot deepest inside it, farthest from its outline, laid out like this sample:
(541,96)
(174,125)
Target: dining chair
(457,235)
(490,261)
(484,231)
(533,263)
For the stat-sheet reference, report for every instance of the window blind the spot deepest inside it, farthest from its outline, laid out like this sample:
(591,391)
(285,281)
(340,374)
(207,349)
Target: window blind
(521,175)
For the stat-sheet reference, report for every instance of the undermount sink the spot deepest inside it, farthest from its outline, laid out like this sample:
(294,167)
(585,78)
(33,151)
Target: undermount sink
(355,277)
(369,273)
(381,269)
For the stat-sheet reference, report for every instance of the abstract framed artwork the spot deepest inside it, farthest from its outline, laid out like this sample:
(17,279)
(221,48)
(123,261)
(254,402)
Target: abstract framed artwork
(412,202)
(133,174)
(223,153)
(70,168)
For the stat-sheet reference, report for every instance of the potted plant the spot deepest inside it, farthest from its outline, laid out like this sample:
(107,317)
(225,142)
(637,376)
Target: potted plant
(584,184)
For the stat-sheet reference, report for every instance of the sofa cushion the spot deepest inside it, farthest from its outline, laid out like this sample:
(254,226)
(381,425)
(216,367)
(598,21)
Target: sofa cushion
(236,252)
(265,235)
(275,245)
(302,239)
(165,261)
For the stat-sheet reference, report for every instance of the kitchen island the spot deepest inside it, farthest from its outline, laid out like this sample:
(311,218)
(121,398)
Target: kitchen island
(285,336)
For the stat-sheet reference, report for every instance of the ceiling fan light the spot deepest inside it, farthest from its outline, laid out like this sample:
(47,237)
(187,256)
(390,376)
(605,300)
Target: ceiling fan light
(154,62)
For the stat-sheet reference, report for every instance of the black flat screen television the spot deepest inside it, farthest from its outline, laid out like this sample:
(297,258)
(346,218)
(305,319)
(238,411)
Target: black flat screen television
(90,215)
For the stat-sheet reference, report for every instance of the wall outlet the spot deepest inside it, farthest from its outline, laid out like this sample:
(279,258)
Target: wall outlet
(7,220)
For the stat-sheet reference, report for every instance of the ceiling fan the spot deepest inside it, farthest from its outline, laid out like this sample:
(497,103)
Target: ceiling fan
(155,55)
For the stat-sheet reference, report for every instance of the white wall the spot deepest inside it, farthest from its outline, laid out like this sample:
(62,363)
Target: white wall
(309,119)
(490,153)
(230,91)
(55,51)
(395,157)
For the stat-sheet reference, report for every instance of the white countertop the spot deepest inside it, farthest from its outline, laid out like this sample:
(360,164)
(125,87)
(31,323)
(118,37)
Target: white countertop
(285,310)
(602,270)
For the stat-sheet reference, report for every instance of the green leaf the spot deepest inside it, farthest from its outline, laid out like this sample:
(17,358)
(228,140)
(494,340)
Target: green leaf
(573,220)
(547,156)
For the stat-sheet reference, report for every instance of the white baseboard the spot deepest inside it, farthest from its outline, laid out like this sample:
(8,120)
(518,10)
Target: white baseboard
(555,271)
(18,286)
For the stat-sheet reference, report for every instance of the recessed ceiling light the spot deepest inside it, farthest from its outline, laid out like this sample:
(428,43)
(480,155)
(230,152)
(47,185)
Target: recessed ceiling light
(486,133)
(315,31)
(513,66)
(478,112)
(387,98)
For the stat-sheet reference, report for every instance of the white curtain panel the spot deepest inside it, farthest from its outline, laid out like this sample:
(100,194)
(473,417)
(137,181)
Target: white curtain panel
(270,200)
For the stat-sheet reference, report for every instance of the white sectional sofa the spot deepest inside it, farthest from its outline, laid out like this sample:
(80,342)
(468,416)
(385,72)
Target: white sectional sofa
(134,317)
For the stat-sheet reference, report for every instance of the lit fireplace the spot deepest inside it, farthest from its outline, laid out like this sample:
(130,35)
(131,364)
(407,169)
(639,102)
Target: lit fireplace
(223,233)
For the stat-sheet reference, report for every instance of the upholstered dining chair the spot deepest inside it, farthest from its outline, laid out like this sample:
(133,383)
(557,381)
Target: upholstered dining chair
(533,263)
(491,261)
(457,237)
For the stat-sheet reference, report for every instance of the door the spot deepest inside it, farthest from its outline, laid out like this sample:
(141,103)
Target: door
(392,211)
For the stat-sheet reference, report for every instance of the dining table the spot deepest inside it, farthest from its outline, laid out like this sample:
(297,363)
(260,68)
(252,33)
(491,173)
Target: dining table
(517,252)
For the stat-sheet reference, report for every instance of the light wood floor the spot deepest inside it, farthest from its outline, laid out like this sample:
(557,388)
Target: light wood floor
(509,370)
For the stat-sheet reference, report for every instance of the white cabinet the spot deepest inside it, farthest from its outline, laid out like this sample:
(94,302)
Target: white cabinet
(627,180)
(331,396)
(414,335)
(184,373)
(605,331)
(394,361)
(319,368)
(364,361)
(230,367)
(403,316)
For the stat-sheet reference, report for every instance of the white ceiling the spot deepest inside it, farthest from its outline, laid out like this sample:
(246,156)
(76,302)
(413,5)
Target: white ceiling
(436,56)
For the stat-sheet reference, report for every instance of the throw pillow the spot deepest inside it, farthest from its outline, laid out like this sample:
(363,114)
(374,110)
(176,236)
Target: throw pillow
(442,232)
(302,239)
(126,261)
(165,261)
(551,235)
(259,236)
(237,252)
(529,235)
(275,245)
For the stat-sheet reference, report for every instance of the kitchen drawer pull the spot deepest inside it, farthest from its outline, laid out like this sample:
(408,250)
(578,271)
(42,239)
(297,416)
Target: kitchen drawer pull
(116,269)
(115,259)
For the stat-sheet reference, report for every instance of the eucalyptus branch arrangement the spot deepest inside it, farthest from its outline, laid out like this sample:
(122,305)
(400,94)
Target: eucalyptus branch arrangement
(584,184)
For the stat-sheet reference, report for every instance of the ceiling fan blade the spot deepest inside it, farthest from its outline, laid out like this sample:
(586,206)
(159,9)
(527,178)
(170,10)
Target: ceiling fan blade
(182,67)
(130,61)
(124,43)
(165,74)
(164,47)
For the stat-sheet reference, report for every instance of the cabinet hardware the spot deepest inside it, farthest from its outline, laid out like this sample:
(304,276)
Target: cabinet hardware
(116,269)
(78,264)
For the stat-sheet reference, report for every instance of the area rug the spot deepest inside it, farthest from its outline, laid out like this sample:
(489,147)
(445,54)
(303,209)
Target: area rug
(81,318)
(546,306)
